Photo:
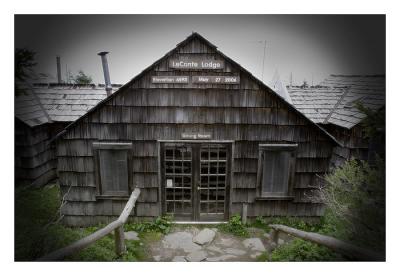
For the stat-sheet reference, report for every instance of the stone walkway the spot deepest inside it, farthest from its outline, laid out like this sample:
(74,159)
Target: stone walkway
(191,244)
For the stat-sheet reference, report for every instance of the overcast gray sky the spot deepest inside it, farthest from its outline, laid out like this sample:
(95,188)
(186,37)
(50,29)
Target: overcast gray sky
(309,46)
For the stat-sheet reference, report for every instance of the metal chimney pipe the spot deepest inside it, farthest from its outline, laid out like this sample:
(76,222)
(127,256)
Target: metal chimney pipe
(58,69)
(106,72)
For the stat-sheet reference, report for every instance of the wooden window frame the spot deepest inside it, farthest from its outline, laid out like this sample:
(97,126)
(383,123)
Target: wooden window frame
(127,146)
(276,147)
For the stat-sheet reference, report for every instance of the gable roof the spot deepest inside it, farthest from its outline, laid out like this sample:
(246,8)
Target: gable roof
(38,104)
(333,102)
(193,36)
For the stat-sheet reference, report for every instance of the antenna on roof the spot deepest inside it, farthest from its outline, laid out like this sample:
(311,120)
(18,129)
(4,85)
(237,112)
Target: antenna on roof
(262,74)
(66,74)
(291,79)
(312,79)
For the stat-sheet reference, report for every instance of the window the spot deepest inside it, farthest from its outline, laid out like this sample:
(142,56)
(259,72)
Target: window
(276,166)
(112,168)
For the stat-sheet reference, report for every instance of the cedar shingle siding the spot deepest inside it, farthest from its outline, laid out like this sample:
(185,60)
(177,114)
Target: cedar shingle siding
(142,112)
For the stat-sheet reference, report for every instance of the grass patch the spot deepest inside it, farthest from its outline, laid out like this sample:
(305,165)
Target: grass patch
(149,237)
(235,227)
(299,250)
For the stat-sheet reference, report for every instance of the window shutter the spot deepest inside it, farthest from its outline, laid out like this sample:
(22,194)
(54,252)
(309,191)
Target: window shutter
(113,172)
(277,164)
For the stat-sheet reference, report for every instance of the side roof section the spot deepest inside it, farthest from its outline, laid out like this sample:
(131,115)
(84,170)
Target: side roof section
(38,104)
(333,102)
(209,44)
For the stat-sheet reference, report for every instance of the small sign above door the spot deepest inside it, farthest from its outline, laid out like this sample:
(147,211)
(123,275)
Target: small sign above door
(170,79)
(194,136)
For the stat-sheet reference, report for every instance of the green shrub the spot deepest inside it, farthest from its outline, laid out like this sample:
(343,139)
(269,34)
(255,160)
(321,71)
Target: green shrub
(299,250)
(355,199)
(161,224)
(235,227)
(34,208)
(259,222)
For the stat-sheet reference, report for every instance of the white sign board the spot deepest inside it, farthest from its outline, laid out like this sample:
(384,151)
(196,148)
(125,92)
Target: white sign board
(170,184)
(216,79)
(194,136)
(170,79)
(201,64)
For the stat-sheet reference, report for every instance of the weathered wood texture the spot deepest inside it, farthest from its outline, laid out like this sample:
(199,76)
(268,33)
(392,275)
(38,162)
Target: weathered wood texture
(35,157)
(144,112)
(355,145)
(346,249)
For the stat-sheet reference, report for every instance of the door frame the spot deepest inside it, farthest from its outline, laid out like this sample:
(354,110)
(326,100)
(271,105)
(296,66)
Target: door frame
(231,147)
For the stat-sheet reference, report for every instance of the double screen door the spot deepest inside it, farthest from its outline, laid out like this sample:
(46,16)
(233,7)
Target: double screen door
(195,181)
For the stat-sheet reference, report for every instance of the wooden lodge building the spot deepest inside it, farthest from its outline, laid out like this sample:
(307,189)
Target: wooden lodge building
(203,139)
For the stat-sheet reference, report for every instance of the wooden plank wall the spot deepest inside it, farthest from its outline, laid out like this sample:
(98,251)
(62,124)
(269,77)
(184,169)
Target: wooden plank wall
(146,112)
(35,158)
(355,145)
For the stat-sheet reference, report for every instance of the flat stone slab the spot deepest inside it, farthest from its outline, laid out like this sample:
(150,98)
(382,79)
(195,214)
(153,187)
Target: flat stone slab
(221,258)
(215,249)
(180,240)
(131,236)
(179,259)
(205,236)
(234,251)
(254,244)
(226,242)
(196,256)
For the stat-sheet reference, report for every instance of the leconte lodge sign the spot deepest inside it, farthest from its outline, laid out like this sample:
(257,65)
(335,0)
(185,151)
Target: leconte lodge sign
(196,64)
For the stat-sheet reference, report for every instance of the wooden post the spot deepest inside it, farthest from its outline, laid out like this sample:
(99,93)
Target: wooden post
(119,241)
(244,213)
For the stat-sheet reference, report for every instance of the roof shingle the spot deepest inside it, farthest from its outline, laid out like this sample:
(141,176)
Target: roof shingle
(44,104)
(334,100)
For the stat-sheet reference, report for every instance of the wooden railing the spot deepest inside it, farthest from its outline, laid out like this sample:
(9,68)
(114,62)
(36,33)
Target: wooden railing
(116,225)
(348,250)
